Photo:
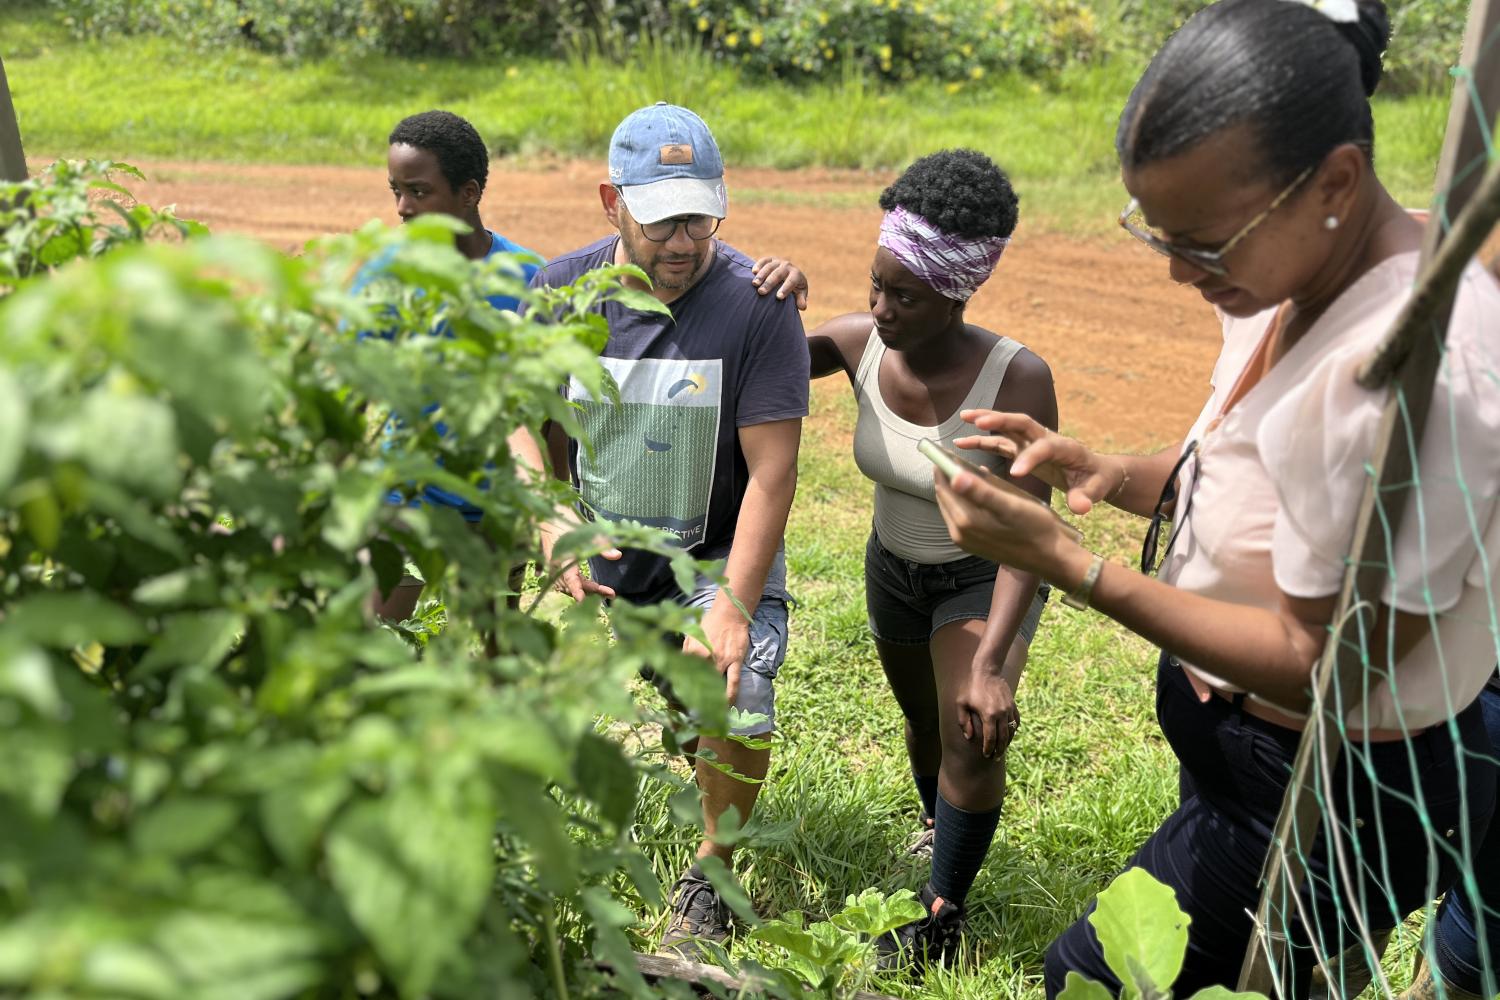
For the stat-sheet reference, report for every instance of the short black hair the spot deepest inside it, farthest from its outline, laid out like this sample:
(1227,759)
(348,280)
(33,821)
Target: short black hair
(1298,79)
(461,153)
(960,191)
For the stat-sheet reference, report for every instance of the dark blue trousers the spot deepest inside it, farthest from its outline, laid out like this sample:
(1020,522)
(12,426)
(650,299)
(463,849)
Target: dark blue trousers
(1457,929)
(1211,850)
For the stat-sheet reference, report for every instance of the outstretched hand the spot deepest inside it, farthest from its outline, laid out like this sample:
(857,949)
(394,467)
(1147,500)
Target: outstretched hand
(781,276)
(1061,462)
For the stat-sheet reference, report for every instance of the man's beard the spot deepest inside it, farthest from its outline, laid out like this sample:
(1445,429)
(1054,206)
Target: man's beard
(650,263)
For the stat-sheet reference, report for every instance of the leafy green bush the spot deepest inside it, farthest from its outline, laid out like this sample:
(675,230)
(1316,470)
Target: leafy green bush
(958,41)
(223,779)
(301,28)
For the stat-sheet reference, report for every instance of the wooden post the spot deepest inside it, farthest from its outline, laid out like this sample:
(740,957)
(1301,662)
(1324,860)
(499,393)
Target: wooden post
(12,159)
(1408,362)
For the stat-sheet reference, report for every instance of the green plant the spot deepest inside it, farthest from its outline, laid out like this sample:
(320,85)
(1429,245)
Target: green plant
(56,217)
(836,957)
(1144,936)
(224,779)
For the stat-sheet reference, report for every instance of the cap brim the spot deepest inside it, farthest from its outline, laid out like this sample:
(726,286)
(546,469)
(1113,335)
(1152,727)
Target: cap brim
(676,196)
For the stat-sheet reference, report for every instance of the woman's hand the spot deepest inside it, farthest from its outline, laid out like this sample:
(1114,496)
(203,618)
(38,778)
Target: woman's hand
(987,711)
(1061,462)
(1008,528)
(775,274)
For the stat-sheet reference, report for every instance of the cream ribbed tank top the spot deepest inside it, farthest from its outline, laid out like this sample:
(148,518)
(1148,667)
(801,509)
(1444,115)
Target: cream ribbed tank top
(907,518)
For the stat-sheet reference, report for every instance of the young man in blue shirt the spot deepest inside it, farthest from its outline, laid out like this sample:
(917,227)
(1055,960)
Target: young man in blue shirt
(437,162)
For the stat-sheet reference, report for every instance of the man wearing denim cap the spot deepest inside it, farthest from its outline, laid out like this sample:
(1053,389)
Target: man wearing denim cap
(703,445)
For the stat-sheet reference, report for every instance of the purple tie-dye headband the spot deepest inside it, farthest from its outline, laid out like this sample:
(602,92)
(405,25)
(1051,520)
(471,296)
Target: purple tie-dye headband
(950,265)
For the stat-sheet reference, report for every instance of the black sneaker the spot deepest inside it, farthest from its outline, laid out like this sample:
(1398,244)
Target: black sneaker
(933,939)
(698,916)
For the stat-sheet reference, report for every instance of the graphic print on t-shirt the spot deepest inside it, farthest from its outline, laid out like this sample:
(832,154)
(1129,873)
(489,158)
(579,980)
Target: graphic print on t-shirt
(653,452)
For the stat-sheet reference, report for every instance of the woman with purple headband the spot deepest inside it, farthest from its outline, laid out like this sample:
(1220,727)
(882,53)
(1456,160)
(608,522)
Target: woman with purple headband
(952,630)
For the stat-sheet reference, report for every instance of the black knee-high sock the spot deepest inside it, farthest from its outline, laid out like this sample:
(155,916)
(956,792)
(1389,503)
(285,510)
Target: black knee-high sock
(927,792)
(963,838)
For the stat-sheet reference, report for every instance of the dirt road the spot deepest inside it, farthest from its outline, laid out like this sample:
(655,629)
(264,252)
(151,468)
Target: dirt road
(1131,352)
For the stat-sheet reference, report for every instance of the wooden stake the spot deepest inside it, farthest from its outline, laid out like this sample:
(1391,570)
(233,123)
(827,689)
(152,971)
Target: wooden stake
(12,159)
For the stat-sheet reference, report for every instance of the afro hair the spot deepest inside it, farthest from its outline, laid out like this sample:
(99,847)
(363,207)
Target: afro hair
(460,152)
(960,191)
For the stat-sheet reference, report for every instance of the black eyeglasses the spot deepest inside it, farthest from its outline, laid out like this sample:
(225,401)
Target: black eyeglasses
(1149,563)
(698,227)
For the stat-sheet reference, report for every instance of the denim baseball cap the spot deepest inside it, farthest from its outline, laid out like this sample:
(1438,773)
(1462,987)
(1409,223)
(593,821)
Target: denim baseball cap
(665,162)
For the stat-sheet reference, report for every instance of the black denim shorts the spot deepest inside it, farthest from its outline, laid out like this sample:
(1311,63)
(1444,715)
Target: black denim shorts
(909,601)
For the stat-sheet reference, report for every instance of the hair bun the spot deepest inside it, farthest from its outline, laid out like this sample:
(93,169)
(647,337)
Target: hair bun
(1369,36)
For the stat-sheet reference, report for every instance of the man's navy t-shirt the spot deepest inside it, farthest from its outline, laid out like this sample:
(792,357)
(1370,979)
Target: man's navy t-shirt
(668,455)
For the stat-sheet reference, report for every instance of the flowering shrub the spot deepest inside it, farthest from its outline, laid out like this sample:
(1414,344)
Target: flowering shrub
(953,40)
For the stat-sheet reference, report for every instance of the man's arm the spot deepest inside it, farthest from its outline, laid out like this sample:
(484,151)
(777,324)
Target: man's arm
(771,457)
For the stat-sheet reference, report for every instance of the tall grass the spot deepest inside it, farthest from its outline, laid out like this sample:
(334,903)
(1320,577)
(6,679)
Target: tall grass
(143,97)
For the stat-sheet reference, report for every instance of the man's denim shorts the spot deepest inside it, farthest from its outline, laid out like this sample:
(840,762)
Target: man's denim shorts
(909,601)
(768,636)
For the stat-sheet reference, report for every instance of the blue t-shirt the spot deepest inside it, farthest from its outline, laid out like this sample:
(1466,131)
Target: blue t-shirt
(505,303)
(669,454)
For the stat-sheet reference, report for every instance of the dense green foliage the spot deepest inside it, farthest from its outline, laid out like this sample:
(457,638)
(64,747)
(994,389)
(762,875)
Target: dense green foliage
(223,778)
(951,40)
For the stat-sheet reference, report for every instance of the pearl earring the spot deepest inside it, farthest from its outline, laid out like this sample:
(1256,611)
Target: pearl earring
(1332,222)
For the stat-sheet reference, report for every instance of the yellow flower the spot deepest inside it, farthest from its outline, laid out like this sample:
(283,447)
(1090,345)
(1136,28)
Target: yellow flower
(702,23)
(822,17)
(512,71)
(885,53)
(954,87)
(692,4)
(976,72)
(919,7)
(966,49)
(732,39)
(756,38)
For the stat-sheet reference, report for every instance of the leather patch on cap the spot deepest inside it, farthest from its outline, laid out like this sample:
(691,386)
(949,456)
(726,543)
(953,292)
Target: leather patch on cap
(676,154)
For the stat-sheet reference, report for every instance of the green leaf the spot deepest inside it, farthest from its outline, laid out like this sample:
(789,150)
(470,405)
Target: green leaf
(873,913)
(194,638)
(26,675)
(356,499)
(606,778)
(116,968)
(65,620)
(13,427)
(295,814)
(388,563)
(1143,932)
(1224,993)
(1076,987)
(413,868)
(184,825)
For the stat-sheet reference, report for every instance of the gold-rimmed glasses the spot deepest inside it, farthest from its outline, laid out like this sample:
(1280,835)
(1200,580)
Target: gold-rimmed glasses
(1211,261)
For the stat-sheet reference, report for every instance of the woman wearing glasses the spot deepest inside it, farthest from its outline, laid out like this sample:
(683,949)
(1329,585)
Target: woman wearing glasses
(1247,147)
(951,629)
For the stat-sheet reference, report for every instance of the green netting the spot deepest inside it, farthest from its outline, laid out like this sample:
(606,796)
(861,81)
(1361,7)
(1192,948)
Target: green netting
(1335,897)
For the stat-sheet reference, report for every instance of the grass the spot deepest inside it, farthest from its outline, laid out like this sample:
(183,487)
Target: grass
(150,98)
